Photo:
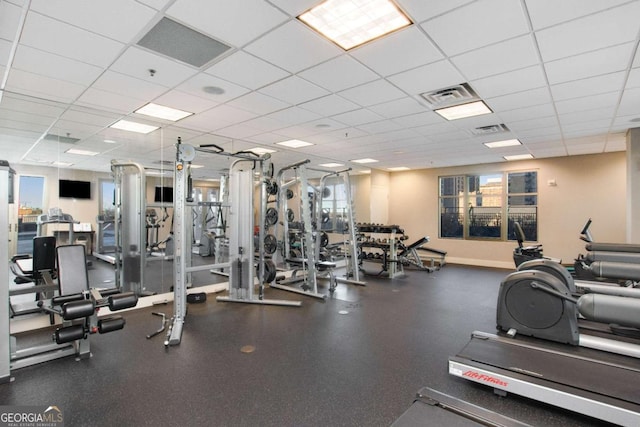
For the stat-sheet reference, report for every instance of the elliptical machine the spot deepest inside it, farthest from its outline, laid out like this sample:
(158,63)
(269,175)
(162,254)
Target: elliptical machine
(540,301)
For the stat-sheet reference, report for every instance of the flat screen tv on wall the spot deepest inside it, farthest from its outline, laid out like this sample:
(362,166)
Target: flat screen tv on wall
(163,195)
(74,189)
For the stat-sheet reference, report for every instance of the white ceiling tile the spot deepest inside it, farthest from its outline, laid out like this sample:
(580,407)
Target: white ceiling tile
(156,4)
(197,83)
(55,66)
(545,13)
(636,58)
(108,101)
(581,149)
(536,123)
(295,7)
(232,22)
(590,64)
(293,47)
(75,129)
(498,58)
(9,19)
(420,10)
(293,116)
(130,16)
(421,119)
(128,86)
(207,121)
(476,25)
(512,82)
(399,51)
(587,116)
(43,87)
(630,103)
(527,98)
(379,127)
(608,28)
(330,105)
(357,117)
(634,78)
(246,70)
(258,103)
(536,134)
(294,90)
(238,131)
(585,128)
(526,113)
(589,86)
(427,78)
(87,116)
(339,73)
(136,62)
(5,49)
(397,108)
(54,36)
(184,101)
(375,92)
(585,103)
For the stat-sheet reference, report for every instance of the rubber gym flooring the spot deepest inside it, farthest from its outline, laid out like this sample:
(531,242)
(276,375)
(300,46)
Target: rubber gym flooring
(355,360)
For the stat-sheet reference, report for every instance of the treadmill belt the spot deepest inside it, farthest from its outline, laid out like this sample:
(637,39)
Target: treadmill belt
(609,375)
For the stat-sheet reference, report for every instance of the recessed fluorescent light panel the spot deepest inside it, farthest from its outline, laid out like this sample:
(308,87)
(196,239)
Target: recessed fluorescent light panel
(505,143)
(363,161)
(398,169)
(162,112)
(519,157)
(133,126)
(294,143)
(62,164)
(81,152)
(261,150)
(350,23)
(462,111)
(331,165)
(109,141)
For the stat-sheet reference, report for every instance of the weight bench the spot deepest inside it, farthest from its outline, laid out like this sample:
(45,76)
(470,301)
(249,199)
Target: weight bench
(77,305)
(409,255)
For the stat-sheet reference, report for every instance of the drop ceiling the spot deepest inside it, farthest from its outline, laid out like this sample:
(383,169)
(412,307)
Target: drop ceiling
(563,77)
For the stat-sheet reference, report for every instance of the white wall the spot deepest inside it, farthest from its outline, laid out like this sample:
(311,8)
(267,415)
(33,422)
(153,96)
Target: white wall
(592,186)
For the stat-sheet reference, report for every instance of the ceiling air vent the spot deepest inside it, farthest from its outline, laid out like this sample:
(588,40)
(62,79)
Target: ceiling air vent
(59,138)
(459,94)
(490,130)
(176,41)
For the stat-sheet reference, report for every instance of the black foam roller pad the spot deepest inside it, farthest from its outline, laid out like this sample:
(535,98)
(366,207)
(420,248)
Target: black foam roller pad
(70,333)
(78,309)
(122,301)
(110,324)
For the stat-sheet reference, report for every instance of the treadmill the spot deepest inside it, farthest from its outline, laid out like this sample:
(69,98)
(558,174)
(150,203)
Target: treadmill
(595,383)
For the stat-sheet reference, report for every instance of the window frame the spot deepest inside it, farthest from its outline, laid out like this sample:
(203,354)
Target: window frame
(504,216)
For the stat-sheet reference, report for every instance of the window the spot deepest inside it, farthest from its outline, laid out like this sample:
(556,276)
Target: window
(475,206)
(31,202)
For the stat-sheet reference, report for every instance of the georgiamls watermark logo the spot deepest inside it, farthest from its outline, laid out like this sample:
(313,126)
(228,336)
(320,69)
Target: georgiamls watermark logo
(31,416)
(485,378)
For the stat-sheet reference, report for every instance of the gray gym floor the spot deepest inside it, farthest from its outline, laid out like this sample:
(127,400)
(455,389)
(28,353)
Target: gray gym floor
(355,360)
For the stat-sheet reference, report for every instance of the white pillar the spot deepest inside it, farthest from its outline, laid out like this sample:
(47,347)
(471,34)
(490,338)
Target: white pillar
(633,185)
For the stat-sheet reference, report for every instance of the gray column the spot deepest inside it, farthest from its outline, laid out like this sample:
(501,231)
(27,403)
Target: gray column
(633,185)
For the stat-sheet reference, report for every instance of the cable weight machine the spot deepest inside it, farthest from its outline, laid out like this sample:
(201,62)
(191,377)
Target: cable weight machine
(241,262)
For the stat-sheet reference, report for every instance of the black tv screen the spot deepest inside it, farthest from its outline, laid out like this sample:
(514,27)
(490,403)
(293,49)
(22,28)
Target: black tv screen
(74,189)
(163,195)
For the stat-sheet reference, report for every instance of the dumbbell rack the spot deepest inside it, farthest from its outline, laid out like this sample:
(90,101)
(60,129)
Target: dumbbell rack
(388,247)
